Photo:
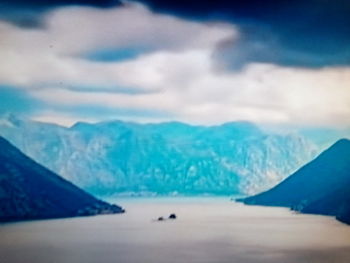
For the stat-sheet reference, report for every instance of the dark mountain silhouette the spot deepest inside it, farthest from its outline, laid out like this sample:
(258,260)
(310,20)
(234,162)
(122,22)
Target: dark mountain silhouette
(30,191)
(319,187)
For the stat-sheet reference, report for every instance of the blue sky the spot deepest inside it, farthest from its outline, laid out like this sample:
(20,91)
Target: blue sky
(277,63)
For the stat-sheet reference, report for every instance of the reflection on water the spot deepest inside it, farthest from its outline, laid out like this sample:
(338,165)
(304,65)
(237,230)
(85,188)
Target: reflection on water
(210,230)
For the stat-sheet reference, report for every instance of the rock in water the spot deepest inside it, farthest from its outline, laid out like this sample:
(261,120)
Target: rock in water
(172,216)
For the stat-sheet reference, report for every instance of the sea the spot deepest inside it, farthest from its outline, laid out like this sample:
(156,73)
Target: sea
(206,230)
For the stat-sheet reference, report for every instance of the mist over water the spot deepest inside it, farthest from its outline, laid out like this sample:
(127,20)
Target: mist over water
(208,230)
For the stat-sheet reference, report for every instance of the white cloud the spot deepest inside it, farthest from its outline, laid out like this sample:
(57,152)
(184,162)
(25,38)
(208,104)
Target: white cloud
(49,55)
(191,89)
(179,76)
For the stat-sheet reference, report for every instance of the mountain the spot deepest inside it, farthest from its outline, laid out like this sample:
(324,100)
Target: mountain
(119,157)
(319,187)
(30,191)
(325,137)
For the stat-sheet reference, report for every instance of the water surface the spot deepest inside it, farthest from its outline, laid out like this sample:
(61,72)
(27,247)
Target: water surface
(208,230)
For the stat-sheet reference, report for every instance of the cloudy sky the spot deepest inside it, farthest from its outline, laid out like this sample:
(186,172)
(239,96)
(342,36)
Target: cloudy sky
(270,62)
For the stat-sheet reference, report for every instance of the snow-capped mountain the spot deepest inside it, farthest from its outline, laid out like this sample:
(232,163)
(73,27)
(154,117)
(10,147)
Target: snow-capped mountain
(166,158)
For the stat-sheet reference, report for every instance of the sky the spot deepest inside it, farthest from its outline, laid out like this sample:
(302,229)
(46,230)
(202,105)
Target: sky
(202,62)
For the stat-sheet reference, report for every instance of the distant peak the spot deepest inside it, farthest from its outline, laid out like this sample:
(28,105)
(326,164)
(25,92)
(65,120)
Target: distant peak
(79,124)
(11,119)
(342,142)
(240,124)
(340,147)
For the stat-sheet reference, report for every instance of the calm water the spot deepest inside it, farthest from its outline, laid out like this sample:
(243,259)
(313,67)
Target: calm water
(207,230)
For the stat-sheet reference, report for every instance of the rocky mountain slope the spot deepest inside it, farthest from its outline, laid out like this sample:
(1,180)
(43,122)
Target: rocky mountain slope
(166,158)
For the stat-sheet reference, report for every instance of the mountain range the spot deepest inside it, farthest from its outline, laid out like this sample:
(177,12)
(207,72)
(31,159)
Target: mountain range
(319,187)
(117,157)
(30,191)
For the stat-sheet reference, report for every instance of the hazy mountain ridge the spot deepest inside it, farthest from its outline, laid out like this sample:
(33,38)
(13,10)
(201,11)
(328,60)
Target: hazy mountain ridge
(30,191)
(319,187)
(116,157)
